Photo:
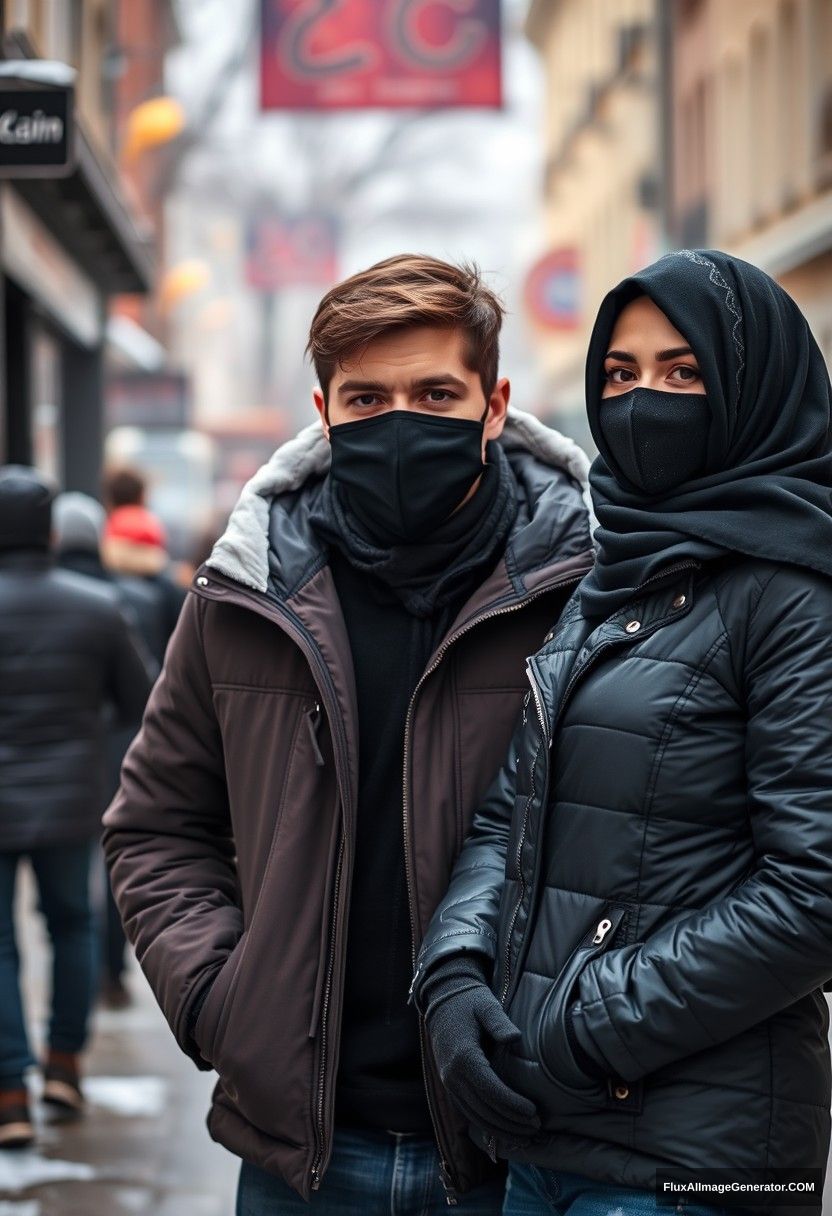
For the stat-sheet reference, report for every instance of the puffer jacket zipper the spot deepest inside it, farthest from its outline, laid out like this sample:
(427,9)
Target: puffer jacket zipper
(449,1180)
(547,739)
(273,610)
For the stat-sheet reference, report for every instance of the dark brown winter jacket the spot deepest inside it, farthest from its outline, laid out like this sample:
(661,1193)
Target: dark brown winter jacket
(231,838)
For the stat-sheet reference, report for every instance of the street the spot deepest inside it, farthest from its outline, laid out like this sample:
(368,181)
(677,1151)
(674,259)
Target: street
(142,1147)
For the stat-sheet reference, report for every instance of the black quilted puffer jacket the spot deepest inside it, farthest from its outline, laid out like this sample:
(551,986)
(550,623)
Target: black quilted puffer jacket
(655,861)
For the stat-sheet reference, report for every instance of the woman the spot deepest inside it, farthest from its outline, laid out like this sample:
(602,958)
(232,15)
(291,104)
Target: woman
(633,946)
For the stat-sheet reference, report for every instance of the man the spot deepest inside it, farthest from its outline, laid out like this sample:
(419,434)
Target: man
(65,652)
(334,703)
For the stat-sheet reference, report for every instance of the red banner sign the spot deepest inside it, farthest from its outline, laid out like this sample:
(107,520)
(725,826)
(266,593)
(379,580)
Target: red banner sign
(382,54)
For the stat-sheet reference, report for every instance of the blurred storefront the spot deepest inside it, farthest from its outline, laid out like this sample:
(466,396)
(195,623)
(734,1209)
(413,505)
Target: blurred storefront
(751,140)
(601,190)
(68,243)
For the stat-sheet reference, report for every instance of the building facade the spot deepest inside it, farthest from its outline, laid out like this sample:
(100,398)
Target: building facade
(751,140)
(601,189)
(67,245)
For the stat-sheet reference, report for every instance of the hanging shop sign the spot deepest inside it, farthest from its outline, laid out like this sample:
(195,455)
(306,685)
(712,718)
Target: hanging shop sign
(36,132)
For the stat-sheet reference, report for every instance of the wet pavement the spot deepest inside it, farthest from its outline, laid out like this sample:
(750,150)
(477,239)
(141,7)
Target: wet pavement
(143,1147)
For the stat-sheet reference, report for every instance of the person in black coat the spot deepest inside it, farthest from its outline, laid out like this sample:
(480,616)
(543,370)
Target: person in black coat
(65,651)
(78,526)
(626,974)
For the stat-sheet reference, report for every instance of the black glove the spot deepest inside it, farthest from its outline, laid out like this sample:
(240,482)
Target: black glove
(461,1013)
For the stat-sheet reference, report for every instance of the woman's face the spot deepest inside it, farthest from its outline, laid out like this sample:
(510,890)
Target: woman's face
(647,352)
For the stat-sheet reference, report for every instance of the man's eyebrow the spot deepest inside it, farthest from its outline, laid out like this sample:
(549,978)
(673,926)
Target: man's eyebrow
(362,386)
(439,378)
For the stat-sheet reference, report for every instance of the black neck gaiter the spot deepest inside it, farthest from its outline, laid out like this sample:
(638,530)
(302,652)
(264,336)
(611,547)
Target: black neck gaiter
(437,571)
(405,472)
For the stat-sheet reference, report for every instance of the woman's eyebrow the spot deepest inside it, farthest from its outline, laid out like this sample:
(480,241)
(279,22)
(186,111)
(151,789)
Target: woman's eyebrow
(623,355)
(662,356)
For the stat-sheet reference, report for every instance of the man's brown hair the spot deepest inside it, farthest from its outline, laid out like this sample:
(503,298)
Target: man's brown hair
(403,292)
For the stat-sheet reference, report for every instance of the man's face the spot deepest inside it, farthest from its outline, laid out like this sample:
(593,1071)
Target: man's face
(419,369)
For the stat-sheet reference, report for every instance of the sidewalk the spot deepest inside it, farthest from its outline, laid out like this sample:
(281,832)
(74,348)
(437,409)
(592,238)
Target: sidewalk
(143,1148)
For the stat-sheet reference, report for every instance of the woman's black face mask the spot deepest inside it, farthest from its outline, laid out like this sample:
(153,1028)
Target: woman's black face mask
(657,440)
(405,472)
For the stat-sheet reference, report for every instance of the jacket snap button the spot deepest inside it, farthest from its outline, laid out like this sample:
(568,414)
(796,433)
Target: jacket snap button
(680,601)
(202,581)
(621,1091)
(633,626)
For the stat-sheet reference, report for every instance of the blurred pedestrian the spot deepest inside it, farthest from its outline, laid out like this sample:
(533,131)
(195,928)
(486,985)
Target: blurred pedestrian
(647,888)
(334,702)
(134,547)
(65,651)
(78,526)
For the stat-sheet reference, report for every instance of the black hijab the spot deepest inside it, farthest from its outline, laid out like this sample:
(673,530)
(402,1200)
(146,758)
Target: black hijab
(767,491)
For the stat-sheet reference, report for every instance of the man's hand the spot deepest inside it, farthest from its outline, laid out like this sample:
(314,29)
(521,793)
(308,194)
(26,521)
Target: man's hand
(462,1017)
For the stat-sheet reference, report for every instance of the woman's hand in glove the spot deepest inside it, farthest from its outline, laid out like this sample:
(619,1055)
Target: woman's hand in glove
(462,1016)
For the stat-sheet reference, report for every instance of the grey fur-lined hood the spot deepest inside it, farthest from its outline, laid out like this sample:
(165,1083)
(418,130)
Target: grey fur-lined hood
(242,552)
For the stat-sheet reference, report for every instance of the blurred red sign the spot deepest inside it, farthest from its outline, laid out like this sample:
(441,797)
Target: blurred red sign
(287,251)
(383,54)
(553,290)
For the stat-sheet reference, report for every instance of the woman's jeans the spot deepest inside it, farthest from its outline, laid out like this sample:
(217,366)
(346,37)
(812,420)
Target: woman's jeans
(62,873)
(370,1174)
(535,1191)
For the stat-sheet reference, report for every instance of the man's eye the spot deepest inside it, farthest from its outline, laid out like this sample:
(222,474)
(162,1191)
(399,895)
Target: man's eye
(438,395)
(365,399)
(620,375)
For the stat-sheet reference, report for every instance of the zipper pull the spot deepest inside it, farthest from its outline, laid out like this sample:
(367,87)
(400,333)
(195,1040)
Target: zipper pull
(601,932)
(526,700)
(410,996)
(313,718)
(448,1187)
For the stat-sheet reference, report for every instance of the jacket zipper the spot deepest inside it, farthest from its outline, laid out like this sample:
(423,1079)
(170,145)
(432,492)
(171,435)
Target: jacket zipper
(310,648)
(576,676)
(519,851)
(449,1180)
(320,1113)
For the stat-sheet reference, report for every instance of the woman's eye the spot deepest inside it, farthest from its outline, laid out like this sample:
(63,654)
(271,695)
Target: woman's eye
(686,373)
(620,375)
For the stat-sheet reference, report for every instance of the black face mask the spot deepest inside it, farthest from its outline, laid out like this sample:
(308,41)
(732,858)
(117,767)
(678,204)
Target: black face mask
(657,441)
(406,472)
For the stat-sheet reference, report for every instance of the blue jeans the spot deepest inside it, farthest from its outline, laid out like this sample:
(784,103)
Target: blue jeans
(370,1174)
(62,874)
(533,1190)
